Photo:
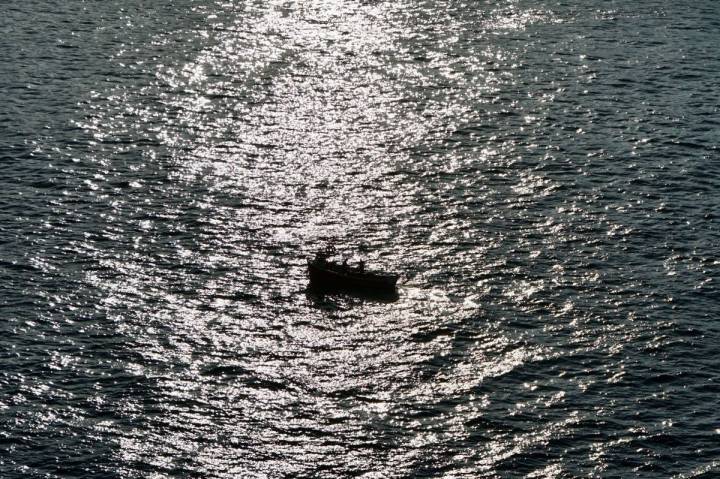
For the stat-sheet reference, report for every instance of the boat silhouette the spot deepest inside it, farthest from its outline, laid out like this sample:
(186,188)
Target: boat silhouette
(331,275)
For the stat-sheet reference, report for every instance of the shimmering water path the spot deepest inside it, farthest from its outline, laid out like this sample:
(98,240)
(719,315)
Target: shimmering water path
(544,174)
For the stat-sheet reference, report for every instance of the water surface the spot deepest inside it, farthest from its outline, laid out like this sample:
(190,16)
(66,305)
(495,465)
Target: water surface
(543,174)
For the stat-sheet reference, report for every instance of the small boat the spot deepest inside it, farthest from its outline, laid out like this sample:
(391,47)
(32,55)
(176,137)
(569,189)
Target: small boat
(327,274)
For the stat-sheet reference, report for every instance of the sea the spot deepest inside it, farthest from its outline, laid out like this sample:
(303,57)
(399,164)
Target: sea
(543,174)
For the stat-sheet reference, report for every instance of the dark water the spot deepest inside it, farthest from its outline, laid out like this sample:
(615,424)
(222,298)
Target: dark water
(544,173)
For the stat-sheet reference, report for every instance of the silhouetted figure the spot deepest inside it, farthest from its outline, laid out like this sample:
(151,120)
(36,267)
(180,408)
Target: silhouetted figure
(361,266)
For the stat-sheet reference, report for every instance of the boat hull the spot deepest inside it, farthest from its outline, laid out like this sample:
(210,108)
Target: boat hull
(335,277)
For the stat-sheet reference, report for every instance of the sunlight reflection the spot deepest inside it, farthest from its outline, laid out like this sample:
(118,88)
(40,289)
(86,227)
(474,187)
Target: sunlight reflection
(278,128)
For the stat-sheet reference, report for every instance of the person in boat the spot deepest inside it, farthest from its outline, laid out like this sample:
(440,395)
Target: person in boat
(345,263)
(361,266)
(321,257)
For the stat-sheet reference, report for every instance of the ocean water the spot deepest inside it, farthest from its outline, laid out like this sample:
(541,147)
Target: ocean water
(544,175)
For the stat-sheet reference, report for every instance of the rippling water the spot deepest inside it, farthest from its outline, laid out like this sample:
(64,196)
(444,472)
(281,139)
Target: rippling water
(543,173)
